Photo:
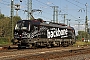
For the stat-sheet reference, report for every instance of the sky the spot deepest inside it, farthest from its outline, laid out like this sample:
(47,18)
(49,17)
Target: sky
(75,10)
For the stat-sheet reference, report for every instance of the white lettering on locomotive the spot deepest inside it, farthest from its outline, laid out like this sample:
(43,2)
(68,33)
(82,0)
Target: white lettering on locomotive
(56,32)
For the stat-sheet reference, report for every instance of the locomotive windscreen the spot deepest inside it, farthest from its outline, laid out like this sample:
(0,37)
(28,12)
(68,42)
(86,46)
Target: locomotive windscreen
(22,25)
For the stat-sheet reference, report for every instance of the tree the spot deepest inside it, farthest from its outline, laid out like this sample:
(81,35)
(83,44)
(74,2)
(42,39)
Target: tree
(4,22)
(15,19)
(5,25)
(83,34)
(1,16)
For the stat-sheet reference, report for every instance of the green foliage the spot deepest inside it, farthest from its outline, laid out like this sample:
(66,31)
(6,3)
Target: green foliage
(15,19)
(82,34)
(5,27)
(1,16)
(80,43)
(4,41)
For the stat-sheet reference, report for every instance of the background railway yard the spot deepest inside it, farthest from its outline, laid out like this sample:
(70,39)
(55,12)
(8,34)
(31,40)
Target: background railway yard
(75,52)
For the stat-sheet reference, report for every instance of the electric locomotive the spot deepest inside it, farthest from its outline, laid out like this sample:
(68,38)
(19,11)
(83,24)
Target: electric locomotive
(35,33)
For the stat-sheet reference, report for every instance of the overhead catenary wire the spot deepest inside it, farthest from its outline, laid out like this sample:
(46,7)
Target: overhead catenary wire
(59,8)
(55,15)
(41,3)
(80,2)
(81,8)
(47,5)
(43,7)
(5,4)
(5,1)
(74,4)
(77,5)
(65,11)
(43,17)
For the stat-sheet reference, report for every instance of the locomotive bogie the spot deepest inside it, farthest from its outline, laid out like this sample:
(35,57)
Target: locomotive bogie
(47,43)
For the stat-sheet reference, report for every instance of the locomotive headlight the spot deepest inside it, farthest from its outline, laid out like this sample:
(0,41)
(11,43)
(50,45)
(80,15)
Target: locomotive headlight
(24,33)
(15,33)
(20,35)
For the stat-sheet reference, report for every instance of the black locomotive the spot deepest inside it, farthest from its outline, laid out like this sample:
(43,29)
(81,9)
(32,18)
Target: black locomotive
(35,33)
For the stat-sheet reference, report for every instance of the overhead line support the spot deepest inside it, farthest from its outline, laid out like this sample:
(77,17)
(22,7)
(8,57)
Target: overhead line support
(55,13)
(64,17)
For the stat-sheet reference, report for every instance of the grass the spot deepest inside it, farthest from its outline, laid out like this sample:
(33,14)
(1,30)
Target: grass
(80,43)
(4,41)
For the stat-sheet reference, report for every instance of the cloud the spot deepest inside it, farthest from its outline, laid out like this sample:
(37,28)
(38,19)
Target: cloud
(49,3)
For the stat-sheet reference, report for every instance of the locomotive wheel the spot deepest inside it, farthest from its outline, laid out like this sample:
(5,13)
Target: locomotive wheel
(65,44)
(58,44)
(19,46)
(34,46)
(71,43)
(30,45)
(49,45)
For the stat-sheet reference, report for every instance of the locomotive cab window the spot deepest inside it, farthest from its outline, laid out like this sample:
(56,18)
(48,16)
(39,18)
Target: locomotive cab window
(22,25)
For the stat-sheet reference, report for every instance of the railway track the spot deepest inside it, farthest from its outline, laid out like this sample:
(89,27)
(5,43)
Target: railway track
(44,53)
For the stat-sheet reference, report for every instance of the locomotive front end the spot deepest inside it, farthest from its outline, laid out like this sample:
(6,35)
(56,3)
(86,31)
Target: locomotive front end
(22,32)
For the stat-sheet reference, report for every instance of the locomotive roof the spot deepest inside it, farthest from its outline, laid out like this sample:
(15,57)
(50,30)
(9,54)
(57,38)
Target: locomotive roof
(62,24)
(51,24)
(23,20)
(54,25)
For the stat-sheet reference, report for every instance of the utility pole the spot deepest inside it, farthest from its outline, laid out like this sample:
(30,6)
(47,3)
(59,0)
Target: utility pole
(12,14)
(0,10)
(86,24)
(79,23)
(86,21)
(64,16)
(29,8)
(55,13)
(67,21)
